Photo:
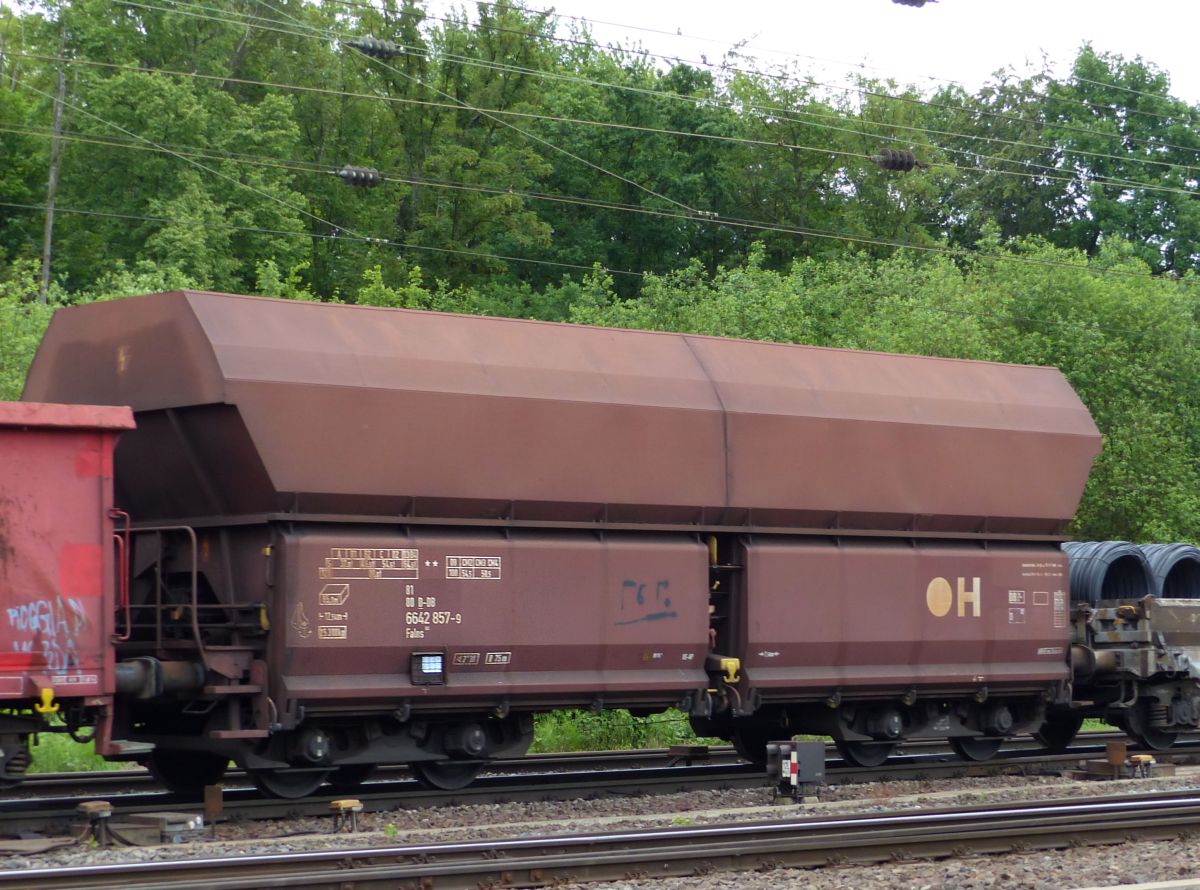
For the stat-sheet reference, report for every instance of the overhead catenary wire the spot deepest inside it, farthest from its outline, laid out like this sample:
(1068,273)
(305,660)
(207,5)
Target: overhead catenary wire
(789,54)
(224,16)
(406,100)
(295,208)
(313,167)
(714,137)
(725,67)
(496,119)
(340,234)
(78,109)
(752,225)
(749,225)
(848,238)
(800,115)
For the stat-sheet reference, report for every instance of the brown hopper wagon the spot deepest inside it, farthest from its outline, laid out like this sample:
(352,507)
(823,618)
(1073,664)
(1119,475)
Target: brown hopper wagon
(370,536)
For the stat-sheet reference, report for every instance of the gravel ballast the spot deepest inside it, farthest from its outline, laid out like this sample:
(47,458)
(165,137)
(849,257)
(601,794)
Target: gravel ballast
(1131,863)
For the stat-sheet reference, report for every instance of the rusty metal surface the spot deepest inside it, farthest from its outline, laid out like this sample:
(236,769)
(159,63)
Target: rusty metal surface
(1177,620)
(881,438)
(35,415)
(56,557)
(866,615)
(519,618)
(344,409)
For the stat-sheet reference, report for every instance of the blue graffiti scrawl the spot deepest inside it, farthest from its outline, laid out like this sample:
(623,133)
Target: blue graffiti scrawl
(656,611)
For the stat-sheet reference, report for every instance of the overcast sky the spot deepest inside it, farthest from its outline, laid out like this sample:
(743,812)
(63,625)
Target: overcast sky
(962,40)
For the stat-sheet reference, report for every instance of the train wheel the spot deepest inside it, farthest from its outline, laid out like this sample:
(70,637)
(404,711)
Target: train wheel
(15,759)
(864,753)
(750,741)
(351,776)
(445,775)
(288,783)
(186,772)
(974,747)
(1058,732)
(1137,726)
(1154,739)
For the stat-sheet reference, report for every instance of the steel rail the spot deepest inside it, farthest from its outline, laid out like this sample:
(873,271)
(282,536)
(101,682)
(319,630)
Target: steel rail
(141,781)
(535,862)
(569,760)
(117,781)
(555,780)
(55,814)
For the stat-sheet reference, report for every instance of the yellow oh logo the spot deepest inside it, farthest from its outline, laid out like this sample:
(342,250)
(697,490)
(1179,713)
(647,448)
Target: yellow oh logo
(939,597)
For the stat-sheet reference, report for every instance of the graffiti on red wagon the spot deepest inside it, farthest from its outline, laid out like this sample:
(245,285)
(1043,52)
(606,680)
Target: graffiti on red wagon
(49,628)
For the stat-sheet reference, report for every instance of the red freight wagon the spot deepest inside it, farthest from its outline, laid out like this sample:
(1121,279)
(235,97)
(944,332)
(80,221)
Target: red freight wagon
(57,572)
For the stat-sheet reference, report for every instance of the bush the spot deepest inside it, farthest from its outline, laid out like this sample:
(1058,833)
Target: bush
(612,731)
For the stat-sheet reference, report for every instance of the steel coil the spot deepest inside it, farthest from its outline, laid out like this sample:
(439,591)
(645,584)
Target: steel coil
(1107,570)
(1175,569)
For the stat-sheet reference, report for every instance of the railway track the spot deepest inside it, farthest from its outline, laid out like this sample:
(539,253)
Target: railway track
(793,843)
(52,799)
(139,779)
(913,752)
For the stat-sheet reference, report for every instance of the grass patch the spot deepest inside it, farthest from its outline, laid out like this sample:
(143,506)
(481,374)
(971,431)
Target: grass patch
(618,730)
(57,752)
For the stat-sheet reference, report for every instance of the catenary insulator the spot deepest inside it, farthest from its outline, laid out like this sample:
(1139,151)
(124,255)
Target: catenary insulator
(376,48)
(897,159)
(363,176)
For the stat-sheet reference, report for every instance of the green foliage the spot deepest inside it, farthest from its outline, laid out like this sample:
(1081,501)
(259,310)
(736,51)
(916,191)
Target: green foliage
(270,282)
(611,731)
(411,294)
(209,139)
(22,322)
(144,278)
(1132,148)
(59,753)
(175,210)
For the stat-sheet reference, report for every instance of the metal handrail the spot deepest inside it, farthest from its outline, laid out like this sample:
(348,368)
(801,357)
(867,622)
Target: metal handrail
(159,531)
(121,537)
